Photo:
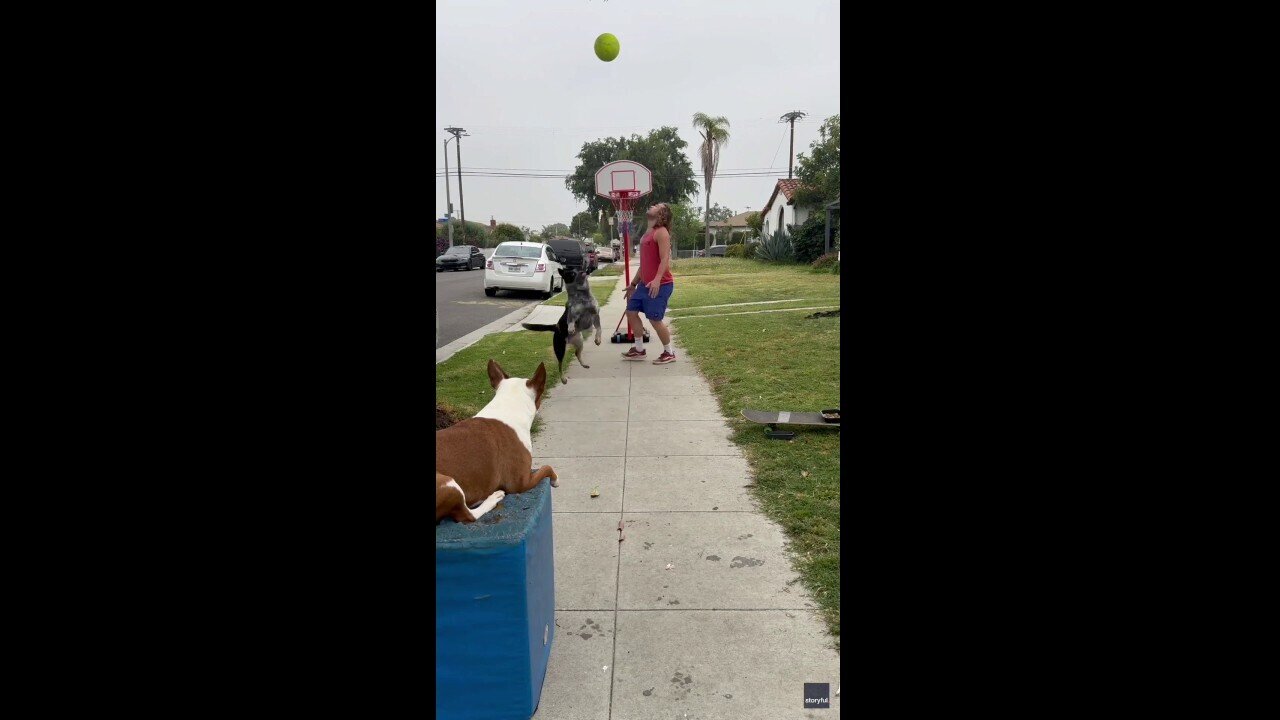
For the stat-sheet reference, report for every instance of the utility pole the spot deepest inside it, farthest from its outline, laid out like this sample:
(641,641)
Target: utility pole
(458,134)
(791,117)
(448,200)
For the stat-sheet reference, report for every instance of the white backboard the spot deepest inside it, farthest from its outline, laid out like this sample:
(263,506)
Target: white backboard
(623,175)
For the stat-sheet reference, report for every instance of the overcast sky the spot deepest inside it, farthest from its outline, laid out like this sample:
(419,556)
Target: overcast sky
(522,78)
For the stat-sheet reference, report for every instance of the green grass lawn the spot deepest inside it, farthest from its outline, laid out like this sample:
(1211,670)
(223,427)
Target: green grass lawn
(816,302)
(748,281)
(714,266)
(608,270)
(462,381)
(778,361)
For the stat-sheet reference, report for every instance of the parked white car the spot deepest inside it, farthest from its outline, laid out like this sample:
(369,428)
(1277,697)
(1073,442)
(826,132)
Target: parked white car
(523,266)
(605,253)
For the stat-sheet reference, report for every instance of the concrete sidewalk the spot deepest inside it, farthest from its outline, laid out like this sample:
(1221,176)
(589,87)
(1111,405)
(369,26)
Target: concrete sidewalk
(697,613)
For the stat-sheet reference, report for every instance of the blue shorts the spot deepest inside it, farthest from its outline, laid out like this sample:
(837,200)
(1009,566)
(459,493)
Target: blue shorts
(653,308)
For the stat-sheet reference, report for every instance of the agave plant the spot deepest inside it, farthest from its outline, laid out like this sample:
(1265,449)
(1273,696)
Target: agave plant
(776,248)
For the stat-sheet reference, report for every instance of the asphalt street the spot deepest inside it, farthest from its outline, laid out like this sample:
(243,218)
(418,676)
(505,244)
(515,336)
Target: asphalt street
(463,306)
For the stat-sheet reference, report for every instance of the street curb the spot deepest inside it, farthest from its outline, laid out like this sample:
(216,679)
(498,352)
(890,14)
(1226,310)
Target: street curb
(474,336)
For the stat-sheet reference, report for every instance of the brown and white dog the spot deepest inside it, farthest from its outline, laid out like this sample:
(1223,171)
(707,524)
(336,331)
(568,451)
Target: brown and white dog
(489,455)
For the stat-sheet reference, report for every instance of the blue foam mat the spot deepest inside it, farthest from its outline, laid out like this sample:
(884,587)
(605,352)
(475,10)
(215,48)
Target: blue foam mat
(495,609)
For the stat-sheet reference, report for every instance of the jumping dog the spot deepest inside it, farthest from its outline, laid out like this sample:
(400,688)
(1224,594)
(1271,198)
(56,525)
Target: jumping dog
(581,313)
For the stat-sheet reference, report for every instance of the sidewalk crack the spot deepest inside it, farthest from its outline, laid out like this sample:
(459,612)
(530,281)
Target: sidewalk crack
(617,584)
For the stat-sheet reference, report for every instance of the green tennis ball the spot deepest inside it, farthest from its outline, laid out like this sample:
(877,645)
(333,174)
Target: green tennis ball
(607,47)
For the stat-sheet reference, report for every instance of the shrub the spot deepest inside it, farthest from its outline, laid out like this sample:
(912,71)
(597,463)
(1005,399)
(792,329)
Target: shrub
(506,232)
(824,263)
(737,251)
(477,234)
(776,248)
(442,244)
(809,238)
(835,268)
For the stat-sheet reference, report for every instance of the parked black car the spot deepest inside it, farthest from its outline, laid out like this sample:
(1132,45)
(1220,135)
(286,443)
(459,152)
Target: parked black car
(571,252)
(460,257)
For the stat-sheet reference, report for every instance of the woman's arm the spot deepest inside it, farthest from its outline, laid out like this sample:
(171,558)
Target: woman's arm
(663,238)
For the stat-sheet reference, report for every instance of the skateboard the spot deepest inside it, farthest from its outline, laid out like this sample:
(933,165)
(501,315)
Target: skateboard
(826,418)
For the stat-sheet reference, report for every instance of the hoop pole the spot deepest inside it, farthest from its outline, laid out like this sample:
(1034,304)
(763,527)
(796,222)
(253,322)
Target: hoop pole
(626,268)
(626,251)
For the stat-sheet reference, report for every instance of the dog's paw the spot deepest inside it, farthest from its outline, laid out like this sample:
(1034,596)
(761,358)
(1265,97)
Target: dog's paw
(497,495)
(597,338)
(564,380)
(586,366)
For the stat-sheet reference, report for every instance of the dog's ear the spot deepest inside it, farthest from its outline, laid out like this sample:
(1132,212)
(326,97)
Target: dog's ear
(539,383)
(496,374)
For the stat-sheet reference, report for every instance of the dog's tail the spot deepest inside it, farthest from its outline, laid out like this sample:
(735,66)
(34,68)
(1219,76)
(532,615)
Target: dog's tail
(538,328)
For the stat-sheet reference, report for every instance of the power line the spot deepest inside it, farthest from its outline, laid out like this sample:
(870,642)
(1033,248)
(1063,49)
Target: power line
(567,128)
(775,152)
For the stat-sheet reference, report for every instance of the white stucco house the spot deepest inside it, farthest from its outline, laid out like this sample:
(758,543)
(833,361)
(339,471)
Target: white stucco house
(781,209)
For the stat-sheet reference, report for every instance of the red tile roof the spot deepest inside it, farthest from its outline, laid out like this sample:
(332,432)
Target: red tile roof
(788,187)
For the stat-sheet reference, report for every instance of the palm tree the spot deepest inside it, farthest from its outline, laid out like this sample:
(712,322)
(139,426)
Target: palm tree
(715,135)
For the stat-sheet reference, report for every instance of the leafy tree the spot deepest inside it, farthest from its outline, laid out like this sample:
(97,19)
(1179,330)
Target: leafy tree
(506,232)
(715,135)
(686,227)
(755,222)
(553,230)
(719,214)
(584,223)
(476,233)
(819,173)
(662,151)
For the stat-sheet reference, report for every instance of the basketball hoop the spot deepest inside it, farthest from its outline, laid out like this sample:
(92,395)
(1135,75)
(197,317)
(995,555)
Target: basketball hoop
(624,182)
(623,201)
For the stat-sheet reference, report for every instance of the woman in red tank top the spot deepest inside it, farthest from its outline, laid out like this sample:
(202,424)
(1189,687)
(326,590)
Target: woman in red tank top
(655,276)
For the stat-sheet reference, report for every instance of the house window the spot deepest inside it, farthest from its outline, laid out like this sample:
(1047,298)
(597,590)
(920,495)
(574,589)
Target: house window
(780,223)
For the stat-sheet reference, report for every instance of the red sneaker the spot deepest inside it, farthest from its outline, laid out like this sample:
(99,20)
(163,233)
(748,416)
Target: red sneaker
(664,358)
(633,354)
